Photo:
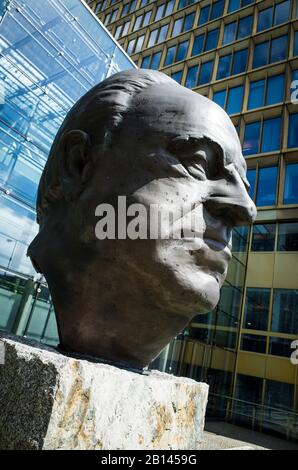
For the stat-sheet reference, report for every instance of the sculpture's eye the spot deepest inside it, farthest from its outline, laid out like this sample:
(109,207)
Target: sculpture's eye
(196,165)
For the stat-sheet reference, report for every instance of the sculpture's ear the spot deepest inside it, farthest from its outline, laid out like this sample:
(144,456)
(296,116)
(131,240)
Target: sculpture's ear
(75,162)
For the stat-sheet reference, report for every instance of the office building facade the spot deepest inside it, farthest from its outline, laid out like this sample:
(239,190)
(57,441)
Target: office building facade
(243,54)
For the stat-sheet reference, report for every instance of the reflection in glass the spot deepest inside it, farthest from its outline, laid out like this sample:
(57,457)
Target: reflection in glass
(263,237)
(256,309)
(285,311)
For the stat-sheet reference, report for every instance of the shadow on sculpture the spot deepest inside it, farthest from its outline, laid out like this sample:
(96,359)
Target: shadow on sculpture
(138,141)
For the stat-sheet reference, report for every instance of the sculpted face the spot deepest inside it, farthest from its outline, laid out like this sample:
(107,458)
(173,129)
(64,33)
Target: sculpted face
(124,300)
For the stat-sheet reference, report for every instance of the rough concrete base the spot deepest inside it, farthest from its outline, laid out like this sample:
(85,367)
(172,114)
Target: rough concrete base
(50,401)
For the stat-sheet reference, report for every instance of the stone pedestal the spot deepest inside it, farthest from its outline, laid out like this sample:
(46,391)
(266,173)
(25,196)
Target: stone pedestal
(51,401)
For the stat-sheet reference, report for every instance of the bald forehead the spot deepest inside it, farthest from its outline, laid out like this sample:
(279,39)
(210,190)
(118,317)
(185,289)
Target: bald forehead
(179,112)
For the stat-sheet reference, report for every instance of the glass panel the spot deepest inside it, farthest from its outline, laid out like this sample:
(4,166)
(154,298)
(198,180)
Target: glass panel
(219,97)
(285,311)
(282,12)
(206,72)
(155,60)
(261,54)
(188,24)
(256,309)
(280,347)
(248,389)
(217,9)
(224,66)
(245,26)
(271,135)
(198,44)
(296,43)
(235,98)
(182,51)
(291,186)
(204,15)
(251,177)
(263,237)
(253,343)
(266,194)
(163,33)
(233,5)
(145,62)
(275,89)
(229,306)
(159,12)
(240,61)
(177,76)
(265,19)
(239,239)
(211,40)
(177,27)
(287,236)
(170,7)
(293,131)
(251,138)
(279,394)
(279,48)
(192,77)
(256,94)
(229,33)
(170,55)
(139,44)
(152,38)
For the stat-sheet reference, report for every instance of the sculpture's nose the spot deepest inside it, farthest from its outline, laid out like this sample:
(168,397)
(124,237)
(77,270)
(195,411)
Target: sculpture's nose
(230,201)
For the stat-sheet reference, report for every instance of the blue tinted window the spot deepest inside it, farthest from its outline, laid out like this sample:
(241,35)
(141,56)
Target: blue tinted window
(256,94)
(271,134)
(204,15)
(296,43)
(293,131)
(182,51)
(177,27)
(152,38)
(219,97)
(256,308)
(198,44)
(206,72)
(188,24)
(159,12)
(163,33)
(251,178)
(245,25)
(291,186)
(233,5)
(279,48)
(229,33)
(170,55)
(265,19)
(275,89)
(224,66)
(170,7)
(235,98)
(217,9)
(155,60)
(192,77)
(251,138)
(266,193)
(240,60)
(177,76)
(261,54)
(145,62)
(282,12)
(212,38)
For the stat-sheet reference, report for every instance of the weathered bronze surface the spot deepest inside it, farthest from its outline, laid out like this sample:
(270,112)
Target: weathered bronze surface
(141,135)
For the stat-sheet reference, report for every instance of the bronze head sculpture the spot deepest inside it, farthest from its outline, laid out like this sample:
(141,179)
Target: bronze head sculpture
(140,135)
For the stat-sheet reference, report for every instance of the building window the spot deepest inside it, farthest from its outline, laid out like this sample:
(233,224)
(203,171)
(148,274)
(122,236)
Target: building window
(205,42)
(251,178)
(273,16)
(209,13)
(164,10)
(237,30)
(122,30)
(185,23)
(280,347)
(249,390)
(296,43)
(177,76)
(268,135)
(270,51)
(266,192)
(185,3)
(100,6)
(279,394)
(237,4)
(142,20)
(256,309)
(151,61)
(206,72)
(253,343)
(239,239)
(266,91)
(287,236)
(231,99)
(291,186)
(293,131)
(263,237)
(199,75)
(192,77)
(285,311)
(158,35)
(232,64)
(176,53)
